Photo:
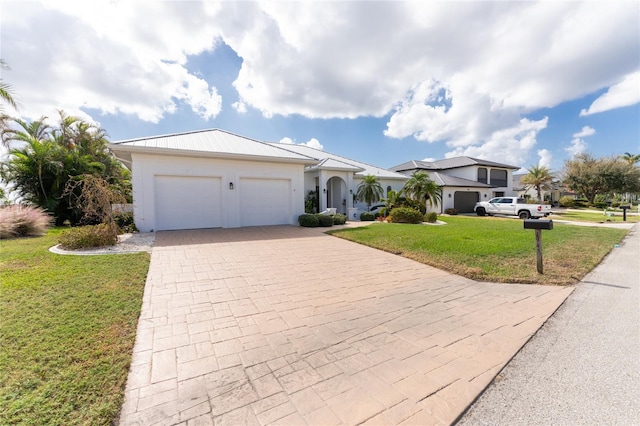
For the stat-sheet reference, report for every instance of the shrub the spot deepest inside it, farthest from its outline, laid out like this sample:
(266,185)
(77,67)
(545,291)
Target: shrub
(339,219)
(23,221)
(431,217)
(325,220)
(88,236)
(125,222)
(367,217)
(308,220)
(567,201)
(405,215)
(615,204)
(451,211)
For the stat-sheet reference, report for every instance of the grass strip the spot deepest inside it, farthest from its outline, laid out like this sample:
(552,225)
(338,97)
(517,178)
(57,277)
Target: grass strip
(493,249)
(67,328)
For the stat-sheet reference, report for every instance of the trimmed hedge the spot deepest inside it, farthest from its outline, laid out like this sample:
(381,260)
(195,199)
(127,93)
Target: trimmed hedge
(88,236)
(308,220)
(339,219)
(405,215)
(367,217)
(325,220)
(451,211)
(431,217)
(567,201)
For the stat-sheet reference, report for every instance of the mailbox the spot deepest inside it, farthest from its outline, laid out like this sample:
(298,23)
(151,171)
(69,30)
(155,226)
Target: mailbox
(538,224)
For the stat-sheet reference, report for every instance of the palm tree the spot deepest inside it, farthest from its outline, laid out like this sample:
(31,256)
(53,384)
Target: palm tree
(630,158)
(394,199)
(369,190)
(420,187)
(540,178)
(7,98)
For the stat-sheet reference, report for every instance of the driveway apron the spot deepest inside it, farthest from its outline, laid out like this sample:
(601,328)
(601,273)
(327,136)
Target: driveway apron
(287,325)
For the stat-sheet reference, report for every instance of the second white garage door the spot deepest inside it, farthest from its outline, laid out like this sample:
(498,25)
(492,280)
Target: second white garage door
(265,201)
(187,202)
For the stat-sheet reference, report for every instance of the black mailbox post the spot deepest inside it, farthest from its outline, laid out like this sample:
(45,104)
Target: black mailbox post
(624,212)
(538,225)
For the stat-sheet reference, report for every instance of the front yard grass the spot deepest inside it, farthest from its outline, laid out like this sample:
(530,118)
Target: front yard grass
(594,216)
(67,327)
(494,249)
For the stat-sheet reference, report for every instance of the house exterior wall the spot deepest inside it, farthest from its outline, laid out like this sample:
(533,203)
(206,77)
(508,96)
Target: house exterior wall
(145,167)
(395,184)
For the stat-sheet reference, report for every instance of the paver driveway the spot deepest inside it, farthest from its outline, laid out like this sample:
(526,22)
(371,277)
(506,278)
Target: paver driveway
(287,325)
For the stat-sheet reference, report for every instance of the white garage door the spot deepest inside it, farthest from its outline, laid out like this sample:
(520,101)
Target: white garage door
(265,201)
(187,202)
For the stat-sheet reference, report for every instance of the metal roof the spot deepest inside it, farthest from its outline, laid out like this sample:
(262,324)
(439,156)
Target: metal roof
(442,179)
(366,169)
(212,143)
(449,163)
(332,164)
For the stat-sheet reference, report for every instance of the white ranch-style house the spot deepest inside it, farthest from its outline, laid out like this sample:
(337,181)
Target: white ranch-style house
(214,178)
(464,180)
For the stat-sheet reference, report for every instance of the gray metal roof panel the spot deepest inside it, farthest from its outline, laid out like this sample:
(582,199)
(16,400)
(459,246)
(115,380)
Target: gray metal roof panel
(213,141)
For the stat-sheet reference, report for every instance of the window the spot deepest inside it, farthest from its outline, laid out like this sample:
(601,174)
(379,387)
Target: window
(482,175)
(498,177)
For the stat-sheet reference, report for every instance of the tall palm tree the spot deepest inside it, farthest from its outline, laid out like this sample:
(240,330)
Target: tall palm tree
(369,190)
(539,178)
(420,187)
(630,158)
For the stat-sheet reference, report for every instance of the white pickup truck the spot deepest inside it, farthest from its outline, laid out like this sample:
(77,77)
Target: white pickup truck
(512,206)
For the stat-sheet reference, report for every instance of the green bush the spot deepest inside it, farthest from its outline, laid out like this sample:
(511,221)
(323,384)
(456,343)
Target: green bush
(405,215)
(431,217)
(451,211)
(88,236)
(308,220)
(339,219)
(615,204)
(567,201)
(367,217)
(23,221)
(125,222)
(325,220)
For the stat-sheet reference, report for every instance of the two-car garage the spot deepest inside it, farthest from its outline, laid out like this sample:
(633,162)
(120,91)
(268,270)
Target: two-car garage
(212,179)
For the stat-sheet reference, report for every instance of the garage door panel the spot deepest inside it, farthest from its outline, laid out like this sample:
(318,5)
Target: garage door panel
(187,202)
(265,201)
(464,202)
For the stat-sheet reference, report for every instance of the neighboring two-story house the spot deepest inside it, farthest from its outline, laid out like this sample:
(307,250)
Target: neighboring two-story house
(464,180)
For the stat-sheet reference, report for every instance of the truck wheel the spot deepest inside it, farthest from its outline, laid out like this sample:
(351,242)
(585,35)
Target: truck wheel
(524,214)
(480,211)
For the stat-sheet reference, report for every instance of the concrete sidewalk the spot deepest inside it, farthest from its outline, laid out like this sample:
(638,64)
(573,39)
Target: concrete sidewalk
(583,366)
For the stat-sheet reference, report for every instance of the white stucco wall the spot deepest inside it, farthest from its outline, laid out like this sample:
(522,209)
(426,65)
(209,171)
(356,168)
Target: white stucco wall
(145,167)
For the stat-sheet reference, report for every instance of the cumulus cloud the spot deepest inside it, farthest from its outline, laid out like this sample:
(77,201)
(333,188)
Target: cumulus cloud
(546,158)
(625,93)
(510,146)
(311,143)
(578,144)
(586,131)
(116,66)
(342,59)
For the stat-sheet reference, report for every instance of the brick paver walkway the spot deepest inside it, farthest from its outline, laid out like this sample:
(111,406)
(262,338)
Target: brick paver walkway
(286,325)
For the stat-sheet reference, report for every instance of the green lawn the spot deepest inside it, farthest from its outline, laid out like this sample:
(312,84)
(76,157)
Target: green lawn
(593,216)
(493,249)
(67,327)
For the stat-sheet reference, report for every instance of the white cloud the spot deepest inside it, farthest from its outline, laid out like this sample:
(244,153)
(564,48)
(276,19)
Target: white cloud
(429,159)
(510,146)
(343,59)
(578,146)
(546,158)
(241,107)
(312,143)
(117,65)
(586,131)
(625,93)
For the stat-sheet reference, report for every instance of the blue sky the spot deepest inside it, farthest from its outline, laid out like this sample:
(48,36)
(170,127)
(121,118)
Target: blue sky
(381,82)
